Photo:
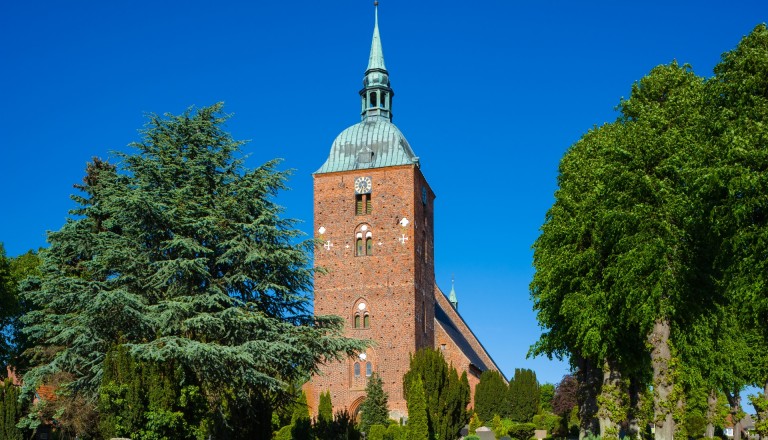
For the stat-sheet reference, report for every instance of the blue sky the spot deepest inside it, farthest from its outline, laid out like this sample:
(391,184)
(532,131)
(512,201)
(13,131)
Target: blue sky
(490,94)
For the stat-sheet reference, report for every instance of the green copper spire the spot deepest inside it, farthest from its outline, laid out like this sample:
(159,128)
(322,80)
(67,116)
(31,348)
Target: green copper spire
(452,297)
(376,59)
(374,142)
(376,94)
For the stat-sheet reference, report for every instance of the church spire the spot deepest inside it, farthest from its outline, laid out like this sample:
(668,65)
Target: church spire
(376,59)
(376,94)
(452,297)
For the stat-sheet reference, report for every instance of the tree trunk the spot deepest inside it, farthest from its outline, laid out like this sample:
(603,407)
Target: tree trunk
(663,380)
(610,401)
(711,413)
(734,401)
(633,430)
(589,383)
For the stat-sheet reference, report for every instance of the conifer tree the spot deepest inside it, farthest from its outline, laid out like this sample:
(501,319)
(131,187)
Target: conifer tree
(490,395)
(374,410)
(417,427)
(523,396)
(447,395)
(10,411)
(325,407)
(180,254)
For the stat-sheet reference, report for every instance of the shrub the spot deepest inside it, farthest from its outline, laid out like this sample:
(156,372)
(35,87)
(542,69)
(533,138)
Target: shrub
(474,423)
(394,432)
(522,431)
(471,437)
(376,432)
(548,421)
(284,433)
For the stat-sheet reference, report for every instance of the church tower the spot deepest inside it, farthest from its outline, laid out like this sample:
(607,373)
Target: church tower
(373,213)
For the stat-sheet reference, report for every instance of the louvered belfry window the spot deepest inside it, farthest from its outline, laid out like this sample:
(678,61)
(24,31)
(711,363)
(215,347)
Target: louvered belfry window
(363,204)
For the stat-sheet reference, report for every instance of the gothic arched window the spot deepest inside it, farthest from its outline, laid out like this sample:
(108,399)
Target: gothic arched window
(357,369)
(366,321)
(368,369)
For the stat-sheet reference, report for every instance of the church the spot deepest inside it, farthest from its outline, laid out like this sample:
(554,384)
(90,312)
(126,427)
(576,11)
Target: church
(374,216)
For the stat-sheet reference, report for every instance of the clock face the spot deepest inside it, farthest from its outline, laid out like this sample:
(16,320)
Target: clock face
(363,185)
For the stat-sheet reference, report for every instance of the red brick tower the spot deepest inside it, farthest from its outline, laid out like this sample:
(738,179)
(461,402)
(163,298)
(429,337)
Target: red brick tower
(374,215)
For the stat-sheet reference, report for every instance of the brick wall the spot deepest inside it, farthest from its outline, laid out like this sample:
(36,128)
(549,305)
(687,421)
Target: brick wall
(395,283)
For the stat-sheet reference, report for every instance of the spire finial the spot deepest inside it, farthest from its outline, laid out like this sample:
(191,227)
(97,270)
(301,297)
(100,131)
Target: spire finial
(376,60)
(376,94)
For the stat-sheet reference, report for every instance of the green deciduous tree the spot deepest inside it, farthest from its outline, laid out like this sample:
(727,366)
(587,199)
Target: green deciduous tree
(180,254)
(658,237)
(374,410)
(616,263)
(546,394)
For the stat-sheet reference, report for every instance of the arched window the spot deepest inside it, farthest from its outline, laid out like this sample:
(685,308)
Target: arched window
(357,369)
(363,241)
(373,97)
(368,369)
(366,321)
(368,243)
(357,321)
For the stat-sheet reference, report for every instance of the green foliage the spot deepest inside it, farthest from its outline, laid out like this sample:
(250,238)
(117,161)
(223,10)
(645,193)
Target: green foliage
(660,223)
(521,431)
(760,402)
(301,429)
(550,422)
(522,397)
(394,432)
(471,437)
(546,394)
(8,306)
(300,408)
(474,423)
(325,407)
(11,411)
(446,394)
(695,424)
(374,409)
(13,274)
(499,426)
(181,255)
(418,425)
(376,432)
(490,395)
(284,433)
(149,401)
